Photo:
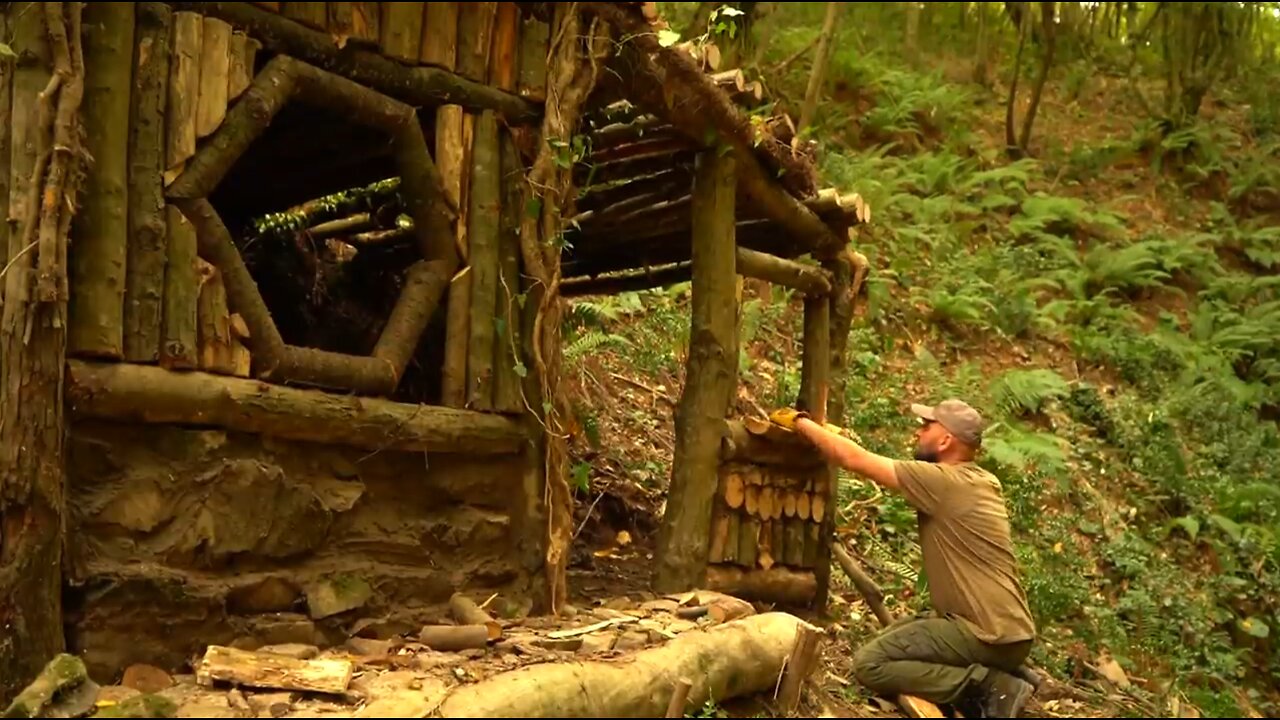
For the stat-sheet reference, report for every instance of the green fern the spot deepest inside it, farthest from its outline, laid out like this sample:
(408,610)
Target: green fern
(593,340)
(1022,392)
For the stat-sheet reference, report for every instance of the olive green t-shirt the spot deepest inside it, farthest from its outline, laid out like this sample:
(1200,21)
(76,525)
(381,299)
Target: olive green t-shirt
(968,553)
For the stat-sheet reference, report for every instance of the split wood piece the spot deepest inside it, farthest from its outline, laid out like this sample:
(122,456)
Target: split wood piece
(815,550)
(216,344)
(670,82)
(795,529)
(805,655)
(535,37)
(453,144)
(503,54)
(765,553)
(179,346)
(267,670)
(451,638)
(779,584)
(475,38)
(401,30)
(751,500)
(748,540)
(311,14)
(184,90)
(416,85)
(736,659)
(99,251)
(215,75)
(730,554)
(679,696)
(683,538)
(779,541)
(355,23)
(740,445)
(718,606)
(732,488)
(439,46)
(719,535)
(147,394)
(244,53)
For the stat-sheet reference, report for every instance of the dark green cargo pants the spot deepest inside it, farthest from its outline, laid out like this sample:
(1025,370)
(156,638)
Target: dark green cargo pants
(933,658)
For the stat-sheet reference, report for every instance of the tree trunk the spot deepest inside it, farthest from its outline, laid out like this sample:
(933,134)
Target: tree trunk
(711,376)
(818,74)
(1046,64)
(482,240)
(33,337)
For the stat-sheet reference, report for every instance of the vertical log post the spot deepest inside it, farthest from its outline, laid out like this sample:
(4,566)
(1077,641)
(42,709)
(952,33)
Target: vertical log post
(815,373)
(402,30)
(46,167)
(711,375)
(101,229)
(482,238)
(475,36)
(184,92)
(440,35)
(534,38)
(144,271)
(181,293)
(508,363)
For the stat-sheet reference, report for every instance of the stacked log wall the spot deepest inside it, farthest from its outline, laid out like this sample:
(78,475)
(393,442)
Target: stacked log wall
(227,524)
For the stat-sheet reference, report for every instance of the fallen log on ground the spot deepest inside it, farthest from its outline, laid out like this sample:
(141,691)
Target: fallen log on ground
(738,658)
(274,672)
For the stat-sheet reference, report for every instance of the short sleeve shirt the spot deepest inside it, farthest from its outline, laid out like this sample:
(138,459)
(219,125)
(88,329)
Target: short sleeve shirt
(968,552)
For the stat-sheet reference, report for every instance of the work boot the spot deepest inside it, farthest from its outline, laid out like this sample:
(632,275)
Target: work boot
(1005,695)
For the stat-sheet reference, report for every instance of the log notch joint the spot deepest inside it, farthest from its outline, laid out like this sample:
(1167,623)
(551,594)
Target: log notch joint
(283,79)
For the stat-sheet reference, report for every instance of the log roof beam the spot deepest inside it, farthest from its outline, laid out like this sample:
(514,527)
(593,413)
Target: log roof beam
(668,83)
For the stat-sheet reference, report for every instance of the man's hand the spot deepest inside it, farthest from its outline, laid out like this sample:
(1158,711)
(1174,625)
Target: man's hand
(846,452)
(786,417)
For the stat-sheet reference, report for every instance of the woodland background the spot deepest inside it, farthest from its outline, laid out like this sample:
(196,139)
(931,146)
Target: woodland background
(1074,227)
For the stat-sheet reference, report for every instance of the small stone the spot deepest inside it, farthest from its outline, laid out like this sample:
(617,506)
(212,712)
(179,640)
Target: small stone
(370,648)
(146,678)
(297,651)
(598,642)
(569,611)
(559,644)
(115,694)
(337,595)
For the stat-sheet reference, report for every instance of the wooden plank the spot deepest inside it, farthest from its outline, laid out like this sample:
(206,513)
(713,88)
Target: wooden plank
(453,142)
(312,14)
(215,69)
(502,59)
(268,670)
(475,37)
(100,231)
(184,84)
(535,37)
(440,35)
(402,30)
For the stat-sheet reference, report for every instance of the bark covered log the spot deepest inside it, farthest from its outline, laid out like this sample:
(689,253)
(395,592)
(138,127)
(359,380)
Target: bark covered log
(532,81)
(712,375)
(101,229)
(782,585)
(47,93)
(423,288)
(508,361)
(453,145)
(417,85)
(148,235)
(401,31)
(740,445)
(482,247)
(475,38)
(215,75)
(181,292)
(735,659)
(140,393)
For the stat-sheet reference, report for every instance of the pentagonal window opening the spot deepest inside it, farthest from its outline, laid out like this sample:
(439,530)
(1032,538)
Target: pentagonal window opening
(337,298)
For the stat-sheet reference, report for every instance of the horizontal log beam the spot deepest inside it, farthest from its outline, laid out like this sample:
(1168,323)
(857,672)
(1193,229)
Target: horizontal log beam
(415,85)
(812,281)
(148,394)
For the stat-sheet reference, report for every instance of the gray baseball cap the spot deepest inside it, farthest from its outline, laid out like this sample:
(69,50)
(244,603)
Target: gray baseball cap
(957,416)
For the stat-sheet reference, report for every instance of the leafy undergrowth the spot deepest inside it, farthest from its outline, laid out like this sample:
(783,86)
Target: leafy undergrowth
(1111,304)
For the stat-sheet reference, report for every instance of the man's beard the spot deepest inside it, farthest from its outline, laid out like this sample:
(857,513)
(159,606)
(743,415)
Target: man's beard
(925,454)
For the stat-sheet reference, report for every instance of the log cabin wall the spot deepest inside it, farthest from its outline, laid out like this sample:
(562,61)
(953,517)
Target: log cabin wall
(242,480)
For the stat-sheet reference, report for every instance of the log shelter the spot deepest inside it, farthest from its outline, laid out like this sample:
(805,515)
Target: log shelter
(284,352)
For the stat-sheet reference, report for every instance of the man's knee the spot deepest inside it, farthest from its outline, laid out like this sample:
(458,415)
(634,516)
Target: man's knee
(870,665)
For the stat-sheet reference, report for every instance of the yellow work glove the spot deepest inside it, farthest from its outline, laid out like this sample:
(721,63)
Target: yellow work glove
(786,417)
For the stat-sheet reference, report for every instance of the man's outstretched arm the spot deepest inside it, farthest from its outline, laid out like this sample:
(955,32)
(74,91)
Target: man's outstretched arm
(848,454)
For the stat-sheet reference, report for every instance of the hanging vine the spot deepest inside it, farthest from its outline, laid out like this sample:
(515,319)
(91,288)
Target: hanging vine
(574,66)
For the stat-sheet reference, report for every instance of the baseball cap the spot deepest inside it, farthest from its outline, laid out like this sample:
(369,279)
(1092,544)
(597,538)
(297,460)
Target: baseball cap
(957,416)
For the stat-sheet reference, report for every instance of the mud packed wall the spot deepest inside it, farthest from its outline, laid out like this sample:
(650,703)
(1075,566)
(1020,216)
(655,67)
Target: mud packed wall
(186,537)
